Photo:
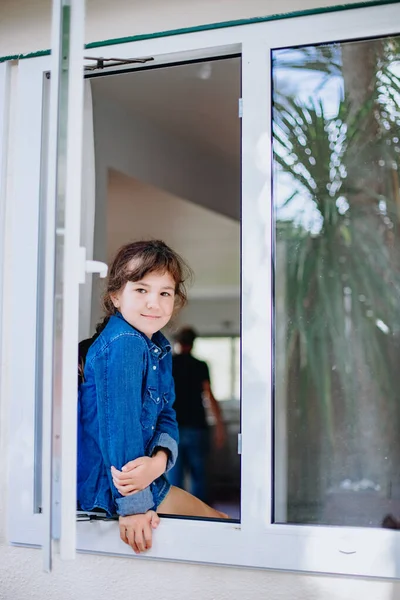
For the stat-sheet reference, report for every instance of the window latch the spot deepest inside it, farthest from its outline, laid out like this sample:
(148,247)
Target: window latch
(91,266)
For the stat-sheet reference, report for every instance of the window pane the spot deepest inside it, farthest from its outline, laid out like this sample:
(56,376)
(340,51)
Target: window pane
(337,319)
(217,354)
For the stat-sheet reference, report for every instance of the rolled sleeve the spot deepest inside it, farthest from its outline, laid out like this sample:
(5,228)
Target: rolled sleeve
(164,440)
(138,503)
(166,434)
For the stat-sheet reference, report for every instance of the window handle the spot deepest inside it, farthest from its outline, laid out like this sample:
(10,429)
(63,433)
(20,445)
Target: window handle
(90,266)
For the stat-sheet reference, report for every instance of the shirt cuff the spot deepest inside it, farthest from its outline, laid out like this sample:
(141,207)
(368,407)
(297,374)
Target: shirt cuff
(136,504)
(164,440)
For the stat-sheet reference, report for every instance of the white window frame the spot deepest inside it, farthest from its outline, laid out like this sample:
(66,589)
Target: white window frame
(5,83)
(256,541)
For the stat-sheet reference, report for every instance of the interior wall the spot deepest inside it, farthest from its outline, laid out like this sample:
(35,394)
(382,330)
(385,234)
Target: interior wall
(25,26)
(136,210)
(138,149)
(135,147)
(210,316)
(130,144)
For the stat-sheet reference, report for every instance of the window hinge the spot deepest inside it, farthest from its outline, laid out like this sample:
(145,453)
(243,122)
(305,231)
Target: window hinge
(239,443)
(240,108)
(103,63)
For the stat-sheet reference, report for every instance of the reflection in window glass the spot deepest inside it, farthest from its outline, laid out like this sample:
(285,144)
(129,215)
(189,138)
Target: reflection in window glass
(217,352)
(337,289)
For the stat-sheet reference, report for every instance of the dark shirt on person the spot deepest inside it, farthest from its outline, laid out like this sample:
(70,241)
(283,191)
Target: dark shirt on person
(189,373)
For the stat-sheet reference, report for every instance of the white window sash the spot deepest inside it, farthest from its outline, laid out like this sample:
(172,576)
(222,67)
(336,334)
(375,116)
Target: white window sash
(5,83)
(24,525)
(72,256)
(256,541)
(61,229)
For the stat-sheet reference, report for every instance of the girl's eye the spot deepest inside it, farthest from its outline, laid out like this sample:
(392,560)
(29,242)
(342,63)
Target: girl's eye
(166,294)
(141,290)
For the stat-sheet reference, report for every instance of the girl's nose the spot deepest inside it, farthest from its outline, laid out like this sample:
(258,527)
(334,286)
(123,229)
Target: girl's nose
(152,302)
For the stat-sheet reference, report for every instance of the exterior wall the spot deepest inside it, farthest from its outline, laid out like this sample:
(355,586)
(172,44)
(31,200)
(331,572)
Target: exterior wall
(24,27)
(106,20)
(98,578)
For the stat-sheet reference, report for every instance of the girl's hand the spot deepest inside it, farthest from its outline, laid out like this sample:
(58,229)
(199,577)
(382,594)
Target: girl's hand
(136,530)
(138,474)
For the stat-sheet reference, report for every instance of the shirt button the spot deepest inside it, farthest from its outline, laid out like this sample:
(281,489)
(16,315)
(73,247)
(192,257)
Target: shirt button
(154,367)
(156,350)
(158,399)
(152,427)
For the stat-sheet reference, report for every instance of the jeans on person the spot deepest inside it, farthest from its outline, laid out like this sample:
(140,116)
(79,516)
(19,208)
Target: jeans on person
(193,450)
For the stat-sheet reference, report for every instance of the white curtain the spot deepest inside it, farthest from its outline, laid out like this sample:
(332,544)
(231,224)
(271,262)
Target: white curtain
(88,209)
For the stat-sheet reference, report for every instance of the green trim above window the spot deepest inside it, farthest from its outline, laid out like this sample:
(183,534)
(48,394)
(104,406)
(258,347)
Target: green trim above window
(207,27)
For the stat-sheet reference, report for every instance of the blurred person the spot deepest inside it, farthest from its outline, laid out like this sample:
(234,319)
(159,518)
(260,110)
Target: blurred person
(192,388)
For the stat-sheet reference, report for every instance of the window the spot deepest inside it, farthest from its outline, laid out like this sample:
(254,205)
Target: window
(277,516)
(222,355)
(336,161)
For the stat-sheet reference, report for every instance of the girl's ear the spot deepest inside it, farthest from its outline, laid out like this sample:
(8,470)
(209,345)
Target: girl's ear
(114,300)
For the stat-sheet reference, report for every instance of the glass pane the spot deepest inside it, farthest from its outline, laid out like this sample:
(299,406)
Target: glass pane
(217,354)
(337,321)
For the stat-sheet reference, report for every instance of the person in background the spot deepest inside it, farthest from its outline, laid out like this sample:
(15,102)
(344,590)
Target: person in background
(192,387)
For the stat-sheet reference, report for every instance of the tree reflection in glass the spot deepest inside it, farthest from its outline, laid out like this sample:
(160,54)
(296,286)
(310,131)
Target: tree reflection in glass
(336,125)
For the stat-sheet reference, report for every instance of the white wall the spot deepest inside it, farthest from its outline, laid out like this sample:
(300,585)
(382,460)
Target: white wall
(105,578)
(211,317)
(208,241)
(24,26)
(137,148)
(106,20)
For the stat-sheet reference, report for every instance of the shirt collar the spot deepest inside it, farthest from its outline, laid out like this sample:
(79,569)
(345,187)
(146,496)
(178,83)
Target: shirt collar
(159,344)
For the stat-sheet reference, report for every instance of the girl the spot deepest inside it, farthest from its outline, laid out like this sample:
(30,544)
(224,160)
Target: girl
(127,431)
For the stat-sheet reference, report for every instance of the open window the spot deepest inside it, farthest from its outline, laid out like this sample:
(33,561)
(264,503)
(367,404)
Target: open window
(166,144)
(319,271)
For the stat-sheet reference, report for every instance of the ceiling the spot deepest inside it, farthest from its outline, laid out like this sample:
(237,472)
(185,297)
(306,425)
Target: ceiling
(197,102)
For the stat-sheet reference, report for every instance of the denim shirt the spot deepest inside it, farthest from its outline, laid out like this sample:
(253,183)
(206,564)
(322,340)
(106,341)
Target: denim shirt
(124,412)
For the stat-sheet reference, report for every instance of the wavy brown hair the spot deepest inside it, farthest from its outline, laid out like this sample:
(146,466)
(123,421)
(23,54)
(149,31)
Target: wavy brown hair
(134,261)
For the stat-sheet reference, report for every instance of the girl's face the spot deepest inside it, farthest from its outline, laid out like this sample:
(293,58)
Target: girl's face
(147,304)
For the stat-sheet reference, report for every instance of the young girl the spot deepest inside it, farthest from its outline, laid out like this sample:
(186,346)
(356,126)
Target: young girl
(127,431)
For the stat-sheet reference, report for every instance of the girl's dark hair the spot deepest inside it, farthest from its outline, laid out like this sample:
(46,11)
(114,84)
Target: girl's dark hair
(147,257)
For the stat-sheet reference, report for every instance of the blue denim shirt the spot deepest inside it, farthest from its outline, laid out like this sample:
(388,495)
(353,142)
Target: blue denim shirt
(124,411)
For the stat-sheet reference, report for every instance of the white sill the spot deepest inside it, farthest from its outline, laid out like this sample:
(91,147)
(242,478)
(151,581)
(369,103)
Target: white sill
(329,550)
